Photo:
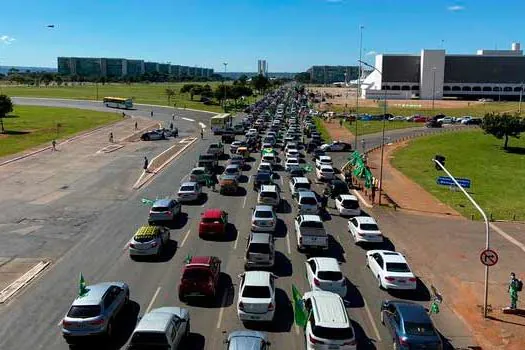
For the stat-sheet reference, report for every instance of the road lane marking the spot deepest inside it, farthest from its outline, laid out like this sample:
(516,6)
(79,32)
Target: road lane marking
(249,179)
(508,237)
(282,182)
(188,119)
(236,241)
(244,201)
(221,312)
(185,238)
(153,299)
(288,244)
(202,125)
(372,320)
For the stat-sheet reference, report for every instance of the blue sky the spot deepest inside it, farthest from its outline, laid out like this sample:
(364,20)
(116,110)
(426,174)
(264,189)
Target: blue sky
(291,34)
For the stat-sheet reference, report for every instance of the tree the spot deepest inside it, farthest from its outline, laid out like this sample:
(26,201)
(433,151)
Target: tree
(6,106)
(261,83)
(503,126)
(170,93)
(195,90)
(242,79)
(222,92)
(207,91)
(303,77)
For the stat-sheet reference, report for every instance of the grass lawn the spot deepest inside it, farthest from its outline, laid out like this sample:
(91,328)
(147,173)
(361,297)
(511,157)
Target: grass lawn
(141,93)
(497,176)
(322,130)
(30,126)
(373,126)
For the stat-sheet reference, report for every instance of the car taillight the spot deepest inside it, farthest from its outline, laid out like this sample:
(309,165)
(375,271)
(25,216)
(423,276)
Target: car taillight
(167,212)
(390,279)
(154,244)
(241,306)
(403,341)
(131,245)
(66,324)
(316,282)
(97,322)
(300,240)
(270,307)
(412,279)
(351,342)
(315,341)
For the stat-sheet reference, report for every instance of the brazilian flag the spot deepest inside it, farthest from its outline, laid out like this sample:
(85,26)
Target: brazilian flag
(82,289)
(300,315)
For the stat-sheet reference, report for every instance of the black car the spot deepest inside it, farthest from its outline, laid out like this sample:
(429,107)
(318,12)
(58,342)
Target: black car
(338,187)
(433,124)
(296,172)
(317,153)
(474,121)
(228,135)
(262,179)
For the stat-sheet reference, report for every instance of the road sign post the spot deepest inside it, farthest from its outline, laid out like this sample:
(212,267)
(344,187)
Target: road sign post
(488,257)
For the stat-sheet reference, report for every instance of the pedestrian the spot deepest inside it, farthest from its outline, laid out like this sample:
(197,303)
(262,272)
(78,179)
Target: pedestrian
(324,202)
(146,164)
(340,121)
(151,114)
(171,126)
(53,145)
(123,115)
(111,137)
(136,125)
(373,194)
(515,286)
(173,116)
(214,182)
(202,133)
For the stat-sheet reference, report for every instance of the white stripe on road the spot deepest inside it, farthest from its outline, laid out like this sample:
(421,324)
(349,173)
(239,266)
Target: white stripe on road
(185,238)
(202,125)
(296,329)
(508,237)
(188,119)
(249,179)
(282,182)
(244,201)
(236,241)
(288,243)
(372,320)
(153,299)
(221,312)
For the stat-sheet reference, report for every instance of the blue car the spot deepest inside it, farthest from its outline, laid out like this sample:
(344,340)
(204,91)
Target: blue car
(410,326)
(247,340)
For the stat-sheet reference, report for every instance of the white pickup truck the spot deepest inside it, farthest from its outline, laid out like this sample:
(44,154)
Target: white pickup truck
(310,232)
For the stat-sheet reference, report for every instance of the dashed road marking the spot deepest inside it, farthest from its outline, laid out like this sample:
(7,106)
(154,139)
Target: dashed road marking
(188,119)
(236,241)
(153,299)
(244,201)
(185,238)
(288,244)
(221,312)
(376,331)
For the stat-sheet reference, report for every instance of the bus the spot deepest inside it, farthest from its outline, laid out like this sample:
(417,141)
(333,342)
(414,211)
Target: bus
(220,122)
(118,102)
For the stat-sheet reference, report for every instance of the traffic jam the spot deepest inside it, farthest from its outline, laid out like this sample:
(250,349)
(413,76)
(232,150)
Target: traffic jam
(275,154)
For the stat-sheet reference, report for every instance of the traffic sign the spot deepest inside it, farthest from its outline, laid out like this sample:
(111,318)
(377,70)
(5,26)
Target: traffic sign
(488,257)
(447,181)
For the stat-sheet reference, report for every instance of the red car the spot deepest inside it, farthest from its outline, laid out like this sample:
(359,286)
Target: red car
(200,277)
(420,119)
(213,221)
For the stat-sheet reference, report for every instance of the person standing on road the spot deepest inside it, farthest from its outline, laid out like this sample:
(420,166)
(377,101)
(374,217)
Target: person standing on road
(136,125)
(515,286)
(151,114)
(111,137)
(173,116)
(53,145)
(146,164)
(202,133)
(171,126)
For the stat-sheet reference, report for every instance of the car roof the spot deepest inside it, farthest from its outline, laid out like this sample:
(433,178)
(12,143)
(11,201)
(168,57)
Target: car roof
(294,159)
(212,213)
(257,278)
(301,179)
(162,202)
(268,188)
(265,163)
(307,194)
(311,217)
(327,264)
(246,340)
(326,166)
(263,208)
(325,157)
(230,166)
(350,197)
(157,319)
(390,256)
(329,309)
(189,183)
(365,220)
(198,168)
(94,294)
(259,237)
(411,312)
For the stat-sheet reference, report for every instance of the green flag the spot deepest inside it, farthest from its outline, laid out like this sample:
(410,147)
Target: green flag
(368,178)
(147,201)
(434,308)
(307,168)
(82,289)
(300,314)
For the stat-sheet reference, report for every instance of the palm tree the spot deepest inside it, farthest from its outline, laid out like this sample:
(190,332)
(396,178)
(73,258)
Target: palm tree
(170,93)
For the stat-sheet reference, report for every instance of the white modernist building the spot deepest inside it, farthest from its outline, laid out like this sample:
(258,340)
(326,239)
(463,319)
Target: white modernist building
(433,74)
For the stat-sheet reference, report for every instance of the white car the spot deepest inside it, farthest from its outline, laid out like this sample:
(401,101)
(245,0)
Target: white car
(256,301)
(324,172)
(199,175)
(325,274)
(290,145)
(264,219)
(292,153)
(323,160)
(391,270)
(252,132)
(189,192)
(364,229)
(347,205)
(446,120)
(265,167)
(336,146)
(234,170)
(290,163)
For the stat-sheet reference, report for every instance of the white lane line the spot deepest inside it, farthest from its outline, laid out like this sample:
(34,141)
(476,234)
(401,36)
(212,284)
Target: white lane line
(202,125)
(221,312)
(288,244)
(372,320)
(508,237)
(153,299)
(188,119)
(282,182)
(244,201)
(185,238)
(236,241)
(249,179)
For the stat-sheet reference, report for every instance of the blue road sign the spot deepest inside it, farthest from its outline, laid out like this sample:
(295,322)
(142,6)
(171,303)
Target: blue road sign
(447,181)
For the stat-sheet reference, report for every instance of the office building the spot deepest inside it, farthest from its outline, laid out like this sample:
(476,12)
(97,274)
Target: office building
(332,74)
(91,68)
(434,74)
(262,67)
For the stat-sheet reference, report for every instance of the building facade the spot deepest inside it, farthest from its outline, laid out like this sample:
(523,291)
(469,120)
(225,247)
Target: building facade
(433,74)
(262,67)
(332,74)
(88,67)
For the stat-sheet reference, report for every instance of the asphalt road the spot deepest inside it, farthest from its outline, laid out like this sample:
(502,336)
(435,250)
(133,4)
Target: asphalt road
(99,251)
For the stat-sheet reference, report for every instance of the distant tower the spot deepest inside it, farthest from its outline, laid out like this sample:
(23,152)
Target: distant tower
(262,67)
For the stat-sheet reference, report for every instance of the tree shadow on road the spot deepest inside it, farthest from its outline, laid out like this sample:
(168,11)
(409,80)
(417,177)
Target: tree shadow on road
(283,266)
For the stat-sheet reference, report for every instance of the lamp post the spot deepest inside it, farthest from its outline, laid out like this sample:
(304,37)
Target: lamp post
(358,83)
(380,189)
(224,86)
(487,232)
(433,87)
(521,98)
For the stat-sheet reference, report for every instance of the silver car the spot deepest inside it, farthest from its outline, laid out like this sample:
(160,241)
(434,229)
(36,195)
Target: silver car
(234,170)
(94,312)
(247,340)
(189,192)
(260,251)
(263,219)
(164,210)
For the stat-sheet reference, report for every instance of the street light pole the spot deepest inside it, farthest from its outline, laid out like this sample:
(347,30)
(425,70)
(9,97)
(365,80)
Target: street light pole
(433,87)
(521,98)
(224,86)
(358,83)
(487,232)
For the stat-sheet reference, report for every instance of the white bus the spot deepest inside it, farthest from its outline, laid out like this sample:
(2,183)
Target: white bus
(118,102)
(220,122)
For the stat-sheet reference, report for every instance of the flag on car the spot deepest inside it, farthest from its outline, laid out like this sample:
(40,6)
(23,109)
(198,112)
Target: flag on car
(147,201)
(300,314)
(82,289)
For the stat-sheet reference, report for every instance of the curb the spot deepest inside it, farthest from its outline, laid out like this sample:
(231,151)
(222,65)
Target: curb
(22,281)
(146,177)
(362,199)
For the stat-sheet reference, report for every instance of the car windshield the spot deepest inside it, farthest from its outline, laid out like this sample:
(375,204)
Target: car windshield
(350,204)
(263,177)
(196,274)
(330,275)
(397,267)
(268,195)
(305,186)
(312,224)
(293,161)
(333,333)
(327,170)
(260,248)
(265,214)
(142,239)
(86,311)
(231,170)
(197,172)
(369,227)
(211,220)
(147,339)
(423,329)
(187,188)
(256,292)
(308,201)
(159,209)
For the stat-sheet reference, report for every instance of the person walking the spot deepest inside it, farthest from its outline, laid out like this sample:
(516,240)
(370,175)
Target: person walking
(111,137)
(151,114)
(373,194)
(214,182)
(173,116)
(53,145)
(202,133)
(340,121)
(146,164)
(324,202)
(515,286)
(136,125)
(171,126)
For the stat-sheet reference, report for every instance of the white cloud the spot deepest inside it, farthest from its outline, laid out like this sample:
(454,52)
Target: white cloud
(333,1)
(6,39)
(456,8)
(371,53)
